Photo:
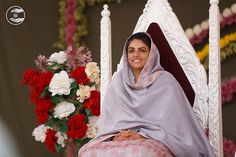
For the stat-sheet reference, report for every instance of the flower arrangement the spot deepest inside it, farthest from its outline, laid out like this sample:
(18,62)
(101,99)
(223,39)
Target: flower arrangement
(65,91)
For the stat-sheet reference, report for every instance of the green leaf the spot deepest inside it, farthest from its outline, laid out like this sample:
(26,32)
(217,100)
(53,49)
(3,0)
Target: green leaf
(44,93)
(84,141)
(57,98)
(74,85)
(87,111)
(58,147)
(50,122)
(62,127)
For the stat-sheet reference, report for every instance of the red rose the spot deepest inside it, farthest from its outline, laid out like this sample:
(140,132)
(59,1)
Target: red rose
(51,140)
(42,109)
(79,75)
(77,126)
(93,103)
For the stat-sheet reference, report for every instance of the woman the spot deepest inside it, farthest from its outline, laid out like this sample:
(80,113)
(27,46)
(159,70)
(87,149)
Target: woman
(145,111)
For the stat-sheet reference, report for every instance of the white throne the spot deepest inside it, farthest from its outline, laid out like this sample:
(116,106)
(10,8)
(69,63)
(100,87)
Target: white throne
(162,24)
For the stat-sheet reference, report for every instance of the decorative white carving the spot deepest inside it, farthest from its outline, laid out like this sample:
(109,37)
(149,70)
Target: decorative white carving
(215,113)
(105,60)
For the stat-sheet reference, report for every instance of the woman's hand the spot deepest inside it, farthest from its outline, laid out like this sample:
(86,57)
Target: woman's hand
(127,135)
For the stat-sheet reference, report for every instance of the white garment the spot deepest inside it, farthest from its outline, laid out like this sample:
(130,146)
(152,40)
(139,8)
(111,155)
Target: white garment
(7,144)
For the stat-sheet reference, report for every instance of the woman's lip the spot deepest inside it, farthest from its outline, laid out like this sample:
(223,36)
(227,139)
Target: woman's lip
(137,60)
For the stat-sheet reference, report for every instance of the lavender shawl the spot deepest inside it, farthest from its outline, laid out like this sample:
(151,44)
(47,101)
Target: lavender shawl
(156,106)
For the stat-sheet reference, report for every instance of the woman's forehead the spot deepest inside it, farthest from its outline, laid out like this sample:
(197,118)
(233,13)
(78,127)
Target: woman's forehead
(137,43)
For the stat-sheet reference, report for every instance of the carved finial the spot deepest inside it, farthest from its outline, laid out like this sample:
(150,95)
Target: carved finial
(167,4)
(105,12)
(146,6)
(214,2)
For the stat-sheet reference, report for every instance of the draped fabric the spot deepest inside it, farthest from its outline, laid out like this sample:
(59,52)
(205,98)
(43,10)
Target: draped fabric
(126,148)
(154,105)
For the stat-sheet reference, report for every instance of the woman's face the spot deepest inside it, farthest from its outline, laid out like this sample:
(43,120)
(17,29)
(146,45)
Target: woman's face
(137,53)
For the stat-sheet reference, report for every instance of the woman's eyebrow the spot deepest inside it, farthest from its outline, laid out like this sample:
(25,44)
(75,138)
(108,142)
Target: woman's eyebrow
(138,48)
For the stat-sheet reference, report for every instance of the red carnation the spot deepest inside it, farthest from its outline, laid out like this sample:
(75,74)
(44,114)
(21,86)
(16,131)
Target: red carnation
(42,81)
(77,126)
(42,109)
(93,103)
(51,140)
(79,75)
(37,82)
(86,103)
(29,77)
(35,96)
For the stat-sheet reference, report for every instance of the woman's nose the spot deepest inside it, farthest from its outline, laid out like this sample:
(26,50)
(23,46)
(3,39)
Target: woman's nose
(136,53)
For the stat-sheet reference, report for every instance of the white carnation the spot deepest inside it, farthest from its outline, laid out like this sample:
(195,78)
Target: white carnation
(92,71)
(92,127)
(40,133)
(197,29)
(205,24)
(61,137)
(189,33)
(60,84)
(63,109)
(233,8)
(84,92)
(227,12)
(59,57)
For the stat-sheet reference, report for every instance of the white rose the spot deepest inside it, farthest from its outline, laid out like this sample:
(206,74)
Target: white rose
(189,33)
(63,109)
(59,57)
(61,137)
(84,92)
(40,133)
(92,127)
(227,12)
(92,71)
(60,84)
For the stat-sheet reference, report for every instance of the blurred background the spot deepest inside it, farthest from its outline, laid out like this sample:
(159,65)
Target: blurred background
(40,32)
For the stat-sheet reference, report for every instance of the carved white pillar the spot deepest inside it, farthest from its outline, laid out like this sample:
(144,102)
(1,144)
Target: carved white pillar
(105,61)
(215,110)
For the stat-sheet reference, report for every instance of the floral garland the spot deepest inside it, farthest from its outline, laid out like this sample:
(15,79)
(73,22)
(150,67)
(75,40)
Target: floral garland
(70,21)
(224,42)
(73,23)
(229,50)
(228,89)
(229,148)
(200,31)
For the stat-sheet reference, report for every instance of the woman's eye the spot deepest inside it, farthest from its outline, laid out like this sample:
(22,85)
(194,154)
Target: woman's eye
(130,51)
(143,50)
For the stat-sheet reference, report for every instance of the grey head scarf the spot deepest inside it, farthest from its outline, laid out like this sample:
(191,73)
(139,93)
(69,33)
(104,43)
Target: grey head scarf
(154,105)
